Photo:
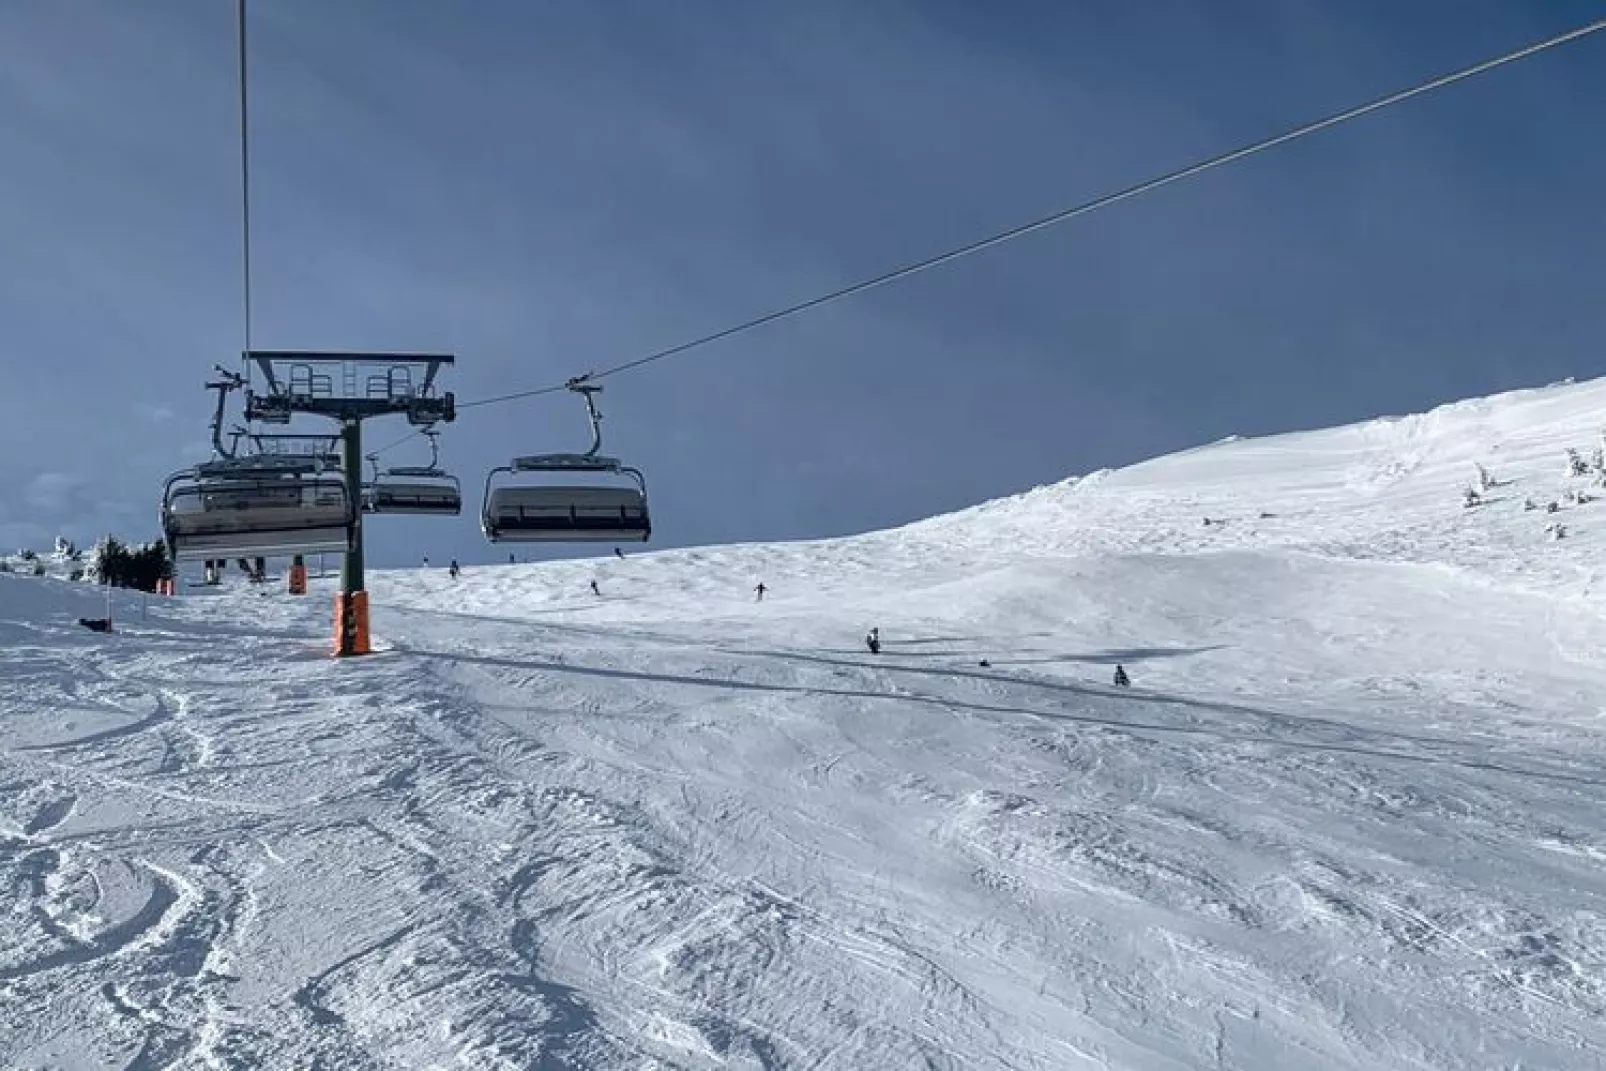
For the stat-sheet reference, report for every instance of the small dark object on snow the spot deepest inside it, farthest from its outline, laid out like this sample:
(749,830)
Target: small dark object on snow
(761,589)
(617,553)
(453,569)
(984,664)
(96,624)
(1121,679)
(873,641)
(594,589)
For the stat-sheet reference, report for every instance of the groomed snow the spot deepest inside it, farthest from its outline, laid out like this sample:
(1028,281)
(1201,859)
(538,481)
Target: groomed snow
(1349,816)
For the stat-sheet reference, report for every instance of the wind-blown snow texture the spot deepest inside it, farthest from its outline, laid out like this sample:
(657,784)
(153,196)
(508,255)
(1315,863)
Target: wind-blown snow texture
(1349,816)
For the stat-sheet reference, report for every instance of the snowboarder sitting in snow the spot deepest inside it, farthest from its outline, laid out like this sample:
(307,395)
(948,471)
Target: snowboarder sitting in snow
(1121,679)
(873,641)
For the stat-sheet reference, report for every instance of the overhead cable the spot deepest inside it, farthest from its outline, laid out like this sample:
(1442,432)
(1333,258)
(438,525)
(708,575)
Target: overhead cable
(1063,216)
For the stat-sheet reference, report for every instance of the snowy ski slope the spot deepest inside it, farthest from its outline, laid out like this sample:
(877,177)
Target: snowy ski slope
(1349,816)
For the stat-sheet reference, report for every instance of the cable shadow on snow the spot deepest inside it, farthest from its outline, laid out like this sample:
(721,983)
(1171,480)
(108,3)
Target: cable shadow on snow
(1344,729)
(1354,746)
(611,632)
(1114,656)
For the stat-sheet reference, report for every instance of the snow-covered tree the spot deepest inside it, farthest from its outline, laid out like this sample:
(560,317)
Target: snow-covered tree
(100,556)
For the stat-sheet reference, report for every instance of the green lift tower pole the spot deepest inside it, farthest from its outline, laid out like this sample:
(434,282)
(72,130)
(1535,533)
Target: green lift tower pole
(353,638)
(351,575)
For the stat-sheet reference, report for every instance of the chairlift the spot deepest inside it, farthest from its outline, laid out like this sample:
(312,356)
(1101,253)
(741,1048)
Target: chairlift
(257,506)
(557,513)
(419,489)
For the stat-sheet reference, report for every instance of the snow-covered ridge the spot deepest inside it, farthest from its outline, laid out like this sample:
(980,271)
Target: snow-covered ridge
(1391,487)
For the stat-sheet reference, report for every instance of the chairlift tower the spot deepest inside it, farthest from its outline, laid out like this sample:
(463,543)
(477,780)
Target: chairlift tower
(349,388)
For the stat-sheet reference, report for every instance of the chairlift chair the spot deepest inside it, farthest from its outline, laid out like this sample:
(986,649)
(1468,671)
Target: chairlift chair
(426,490)
(256,507)
(557,513)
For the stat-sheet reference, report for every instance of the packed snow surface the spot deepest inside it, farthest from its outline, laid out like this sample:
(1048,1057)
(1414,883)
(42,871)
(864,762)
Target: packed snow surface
(1349,815)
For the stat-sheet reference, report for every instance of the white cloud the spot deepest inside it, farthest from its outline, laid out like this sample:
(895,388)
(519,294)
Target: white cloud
(154,414)
(54,492)
(21,535)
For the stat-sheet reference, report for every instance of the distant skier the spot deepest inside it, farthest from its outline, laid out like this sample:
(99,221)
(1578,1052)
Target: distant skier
(873,641)
(594,589)
(453,569)
(512,559)
(984,664)
(1121,679)
(426,561)
(761,589)
(617,553)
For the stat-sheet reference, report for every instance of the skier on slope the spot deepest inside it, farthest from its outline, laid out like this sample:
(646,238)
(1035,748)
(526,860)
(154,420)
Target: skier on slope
(594,589)
(761,589)
(873,641)
(453,569)
(1121,679)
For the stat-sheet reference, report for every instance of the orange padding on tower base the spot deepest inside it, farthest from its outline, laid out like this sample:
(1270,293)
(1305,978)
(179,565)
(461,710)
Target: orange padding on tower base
(351,624)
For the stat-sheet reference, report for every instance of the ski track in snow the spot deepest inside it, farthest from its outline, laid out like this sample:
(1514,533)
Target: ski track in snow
(1349,815)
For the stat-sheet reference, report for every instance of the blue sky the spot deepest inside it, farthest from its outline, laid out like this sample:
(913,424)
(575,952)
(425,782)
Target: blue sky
(548,187)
